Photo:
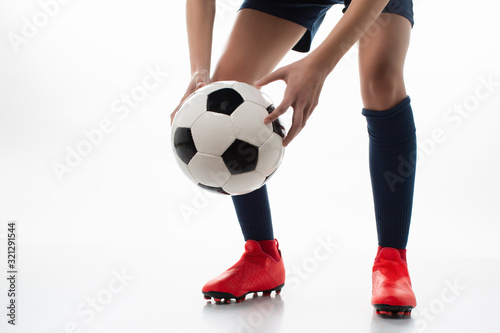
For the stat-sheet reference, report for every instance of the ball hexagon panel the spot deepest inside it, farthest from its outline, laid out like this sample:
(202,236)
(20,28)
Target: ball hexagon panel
(244,183)
(213,133)
(270,155)
(184,144)
(248,122)
(209,170)
(241,157)
(251,93)
(224,100)
(190,110)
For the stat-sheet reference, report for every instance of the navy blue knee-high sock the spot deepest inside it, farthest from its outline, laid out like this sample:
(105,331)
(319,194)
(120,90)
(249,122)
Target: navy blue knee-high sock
(393,153)
(254,214)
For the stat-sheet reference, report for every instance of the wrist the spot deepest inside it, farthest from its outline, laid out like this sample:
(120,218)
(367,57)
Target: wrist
(321,62)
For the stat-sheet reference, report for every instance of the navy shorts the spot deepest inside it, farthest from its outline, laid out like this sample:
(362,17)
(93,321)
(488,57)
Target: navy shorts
(310,14)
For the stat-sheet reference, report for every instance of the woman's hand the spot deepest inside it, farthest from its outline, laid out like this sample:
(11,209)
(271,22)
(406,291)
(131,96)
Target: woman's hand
(198,80)
(304,80)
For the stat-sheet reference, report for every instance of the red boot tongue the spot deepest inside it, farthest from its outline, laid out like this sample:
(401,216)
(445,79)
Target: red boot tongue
(390,253)
(270,247)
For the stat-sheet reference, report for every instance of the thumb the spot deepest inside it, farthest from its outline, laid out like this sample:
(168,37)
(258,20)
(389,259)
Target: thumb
(274,76)
(200,83)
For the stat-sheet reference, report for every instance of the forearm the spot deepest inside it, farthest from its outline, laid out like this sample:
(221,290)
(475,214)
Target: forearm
(200,16)
(350,28)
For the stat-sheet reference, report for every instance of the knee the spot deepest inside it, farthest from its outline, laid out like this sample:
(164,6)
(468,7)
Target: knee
(382,89)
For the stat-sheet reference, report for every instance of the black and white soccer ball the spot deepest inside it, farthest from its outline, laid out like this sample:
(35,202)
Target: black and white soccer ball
(220,140)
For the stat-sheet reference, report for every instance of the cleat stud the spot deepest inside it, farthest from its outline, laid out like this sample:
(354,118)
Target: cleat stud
(207,297)
(266,294)
(278,291)
(217,299)
(227,301)
(255,294)
(238,301)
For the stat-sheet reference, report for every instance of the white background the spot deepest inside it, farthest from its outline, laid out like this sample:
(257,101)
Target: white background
(120,209)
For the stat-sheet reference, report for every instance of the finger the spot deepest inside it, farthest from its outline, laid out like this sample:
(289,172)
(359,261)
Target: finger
(282,108)
(276,75)
(200,84)
(292,133)
(307,113)
(296,125)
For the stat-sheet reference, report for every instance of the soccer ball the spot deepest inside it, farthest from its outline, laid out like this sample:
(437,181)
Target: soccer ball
(220,140)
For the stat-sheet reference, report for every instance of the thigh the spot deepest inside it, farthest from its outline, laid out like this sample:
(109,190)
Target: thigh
(382,53)
(256,45)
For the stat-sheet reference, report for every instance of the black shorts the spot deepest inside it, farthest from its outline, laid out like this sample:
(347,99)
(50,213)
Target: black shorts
(310,14)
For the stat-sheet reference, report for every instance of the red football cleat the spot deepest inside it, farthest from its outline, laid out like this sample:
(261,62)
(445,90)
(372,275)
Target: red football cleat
(256,271)
(391,286)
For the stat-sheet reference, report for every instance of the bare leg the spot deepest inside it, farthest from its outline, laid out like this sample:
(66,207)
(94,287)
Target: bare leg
(381,62)
(256,45)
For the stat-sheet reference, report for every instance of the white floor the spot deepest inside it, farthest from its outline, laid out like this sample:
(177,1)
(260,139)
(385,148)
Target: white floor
(121,241)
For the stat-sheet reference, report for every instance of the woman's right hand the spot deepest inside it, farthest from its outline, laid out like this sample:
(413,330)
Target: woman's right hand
(198,80)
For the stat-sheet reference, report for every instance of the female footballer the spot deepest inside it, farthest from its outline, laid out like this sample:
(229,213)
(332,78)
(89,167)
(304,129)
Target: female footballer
(264,32)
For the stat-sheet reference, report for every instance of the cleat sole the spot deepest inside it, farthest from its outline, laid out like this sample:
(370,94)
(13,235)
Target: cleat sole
(388,311)
(218,296)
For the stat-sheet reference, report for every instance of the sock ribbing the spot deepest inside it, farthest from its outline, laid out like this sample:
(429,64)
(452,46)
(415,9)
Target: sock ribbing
(393,149)
(254,214)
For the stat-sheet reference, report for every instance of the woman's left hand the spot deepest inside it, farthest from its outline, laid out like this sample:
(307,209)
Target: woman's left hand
(304,80)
